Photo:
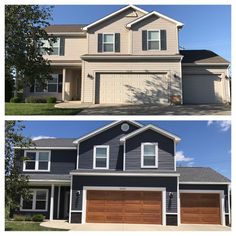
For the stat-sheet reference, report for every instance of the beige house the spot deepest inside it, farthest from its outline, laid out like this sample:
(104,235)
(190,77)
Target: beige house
(132,56)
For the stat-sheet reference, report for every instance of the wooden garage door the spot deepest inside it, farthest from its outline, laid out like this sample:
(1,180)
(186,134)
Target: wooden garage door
(202,89)
(134,207)
(139,88)
(200,208)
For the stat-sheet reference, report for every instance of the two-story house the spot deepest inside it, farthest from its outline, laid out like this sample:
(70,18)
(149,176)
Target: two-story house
(132,56)
(124,172)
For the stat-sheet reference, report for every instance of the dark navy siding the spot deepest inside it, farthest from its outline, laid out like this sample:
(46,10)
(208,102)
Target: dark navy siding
(165,151)
(109,137)
(170,183)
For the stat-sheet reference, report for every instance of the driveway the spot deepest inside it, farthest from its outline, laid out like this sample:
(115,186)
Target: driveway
(131,227)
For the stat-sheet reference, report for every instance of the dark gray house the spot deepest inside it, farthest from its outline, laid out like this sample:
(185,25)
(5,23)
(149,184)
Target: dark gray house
(124,172)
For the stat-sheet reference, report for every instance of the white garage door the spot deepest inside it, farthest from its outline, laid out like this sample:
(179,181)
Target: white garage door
(202,89)
(121,88)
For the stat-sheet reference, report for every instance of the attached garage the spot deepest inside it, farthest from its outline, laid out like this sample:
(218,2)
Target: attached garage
(200,208)
(125,88)
(203,89)
(134,207)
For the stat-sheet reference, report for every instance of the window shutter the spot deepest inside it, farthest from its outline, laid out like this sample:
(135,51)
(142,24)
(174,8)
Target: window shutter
(62,46)
(117,42)
(99,42)
(144,40)
(163,40)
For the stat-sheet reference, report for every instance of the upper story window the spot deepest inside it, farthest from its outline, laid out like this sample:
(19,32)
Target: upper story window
(37,161)
(55,47)
(38,200)
(153,40)
(101,157)
(108,43)
(149,155)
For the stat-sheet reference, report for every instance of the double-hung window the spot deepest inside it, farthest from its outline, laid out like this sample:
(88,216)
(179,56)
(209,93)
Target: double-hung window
(37,161)
(153,40)
(37,201)
(101,157)
(149,155)
(108,42)
(55,47)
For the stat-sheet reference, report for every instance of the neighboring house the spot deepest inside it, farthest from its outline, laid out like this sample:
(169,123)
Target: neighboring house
(124,172)
(132,56)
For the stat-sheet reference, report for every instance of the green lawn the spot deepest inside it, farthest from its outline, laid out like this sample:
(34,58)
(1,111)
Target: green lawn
(27,226)
(37,109)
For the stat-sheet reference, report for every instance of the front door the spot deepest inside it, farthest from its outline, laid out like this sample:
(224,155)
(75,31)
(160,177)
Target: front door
(66,204)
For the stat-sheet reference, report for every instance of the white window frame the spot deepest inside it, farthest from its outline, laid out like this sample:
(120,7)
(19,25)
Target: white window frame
(34,191)
(107,157)
(59,45)
(37,161)
(149,40)
(142,155)
(103,36)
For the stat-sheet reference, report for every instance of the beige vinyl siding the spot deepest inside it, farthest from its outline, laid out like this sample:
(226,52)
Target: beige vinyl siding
(91,68)
(116,24)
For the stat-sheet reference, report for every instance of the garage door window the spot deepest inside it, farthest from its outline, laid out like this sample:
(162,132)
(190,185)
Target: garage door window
(101,157)
(149,155)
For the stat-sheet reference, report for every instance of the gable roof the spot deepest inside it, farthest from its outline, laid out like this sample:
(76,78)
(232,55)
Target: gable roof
(179,24)
(105,128)
(201,57)
(200,175)
(113,14)
(154,128)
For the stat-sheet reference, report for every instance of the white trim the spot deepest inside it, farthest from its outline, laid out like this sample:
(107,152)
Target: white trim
(58,201)
(70,206)
(77,162)
(206,64)
(155,40)
(154,128)
(113,14)
(76,211)
(124,153)
(175,156)
(156,155)
(178,202)
(204,183)
(106,127)
(229,209)
(49,180)
(221,195)
(121,57)
(45,148)
(34,190)
(52,202)
(125,174)
(122,188)
(95,157)
(179,24)
(113,43)
(36,169)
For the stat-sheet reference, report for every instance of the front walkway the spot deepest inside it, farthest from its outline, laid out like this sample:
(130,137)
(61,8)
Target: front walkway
(131,227)
(144,109)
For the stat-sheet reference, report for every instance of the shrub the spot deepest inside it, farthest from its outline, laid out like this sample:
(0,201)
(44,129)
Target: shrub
(38,218)
(19,218)
(15,100)
(32,99)
(28,218)
(51,100)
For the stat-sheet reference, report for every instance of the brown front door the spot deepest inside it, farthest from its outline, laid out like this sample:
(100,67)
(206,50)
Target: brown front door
(134,207)
(200,208)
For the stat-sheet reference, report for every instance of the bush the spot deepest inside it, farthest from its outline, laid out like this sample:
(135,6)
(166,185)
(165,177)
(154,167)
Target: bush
(15,100)
(28,218)
(32,99)
(19,218)
(38,218)
(51,100)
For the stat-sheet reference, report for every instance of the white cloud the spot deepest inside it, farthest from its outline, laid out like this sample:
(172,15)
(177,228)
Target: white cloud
(182,158)
(42,137)
(224,125)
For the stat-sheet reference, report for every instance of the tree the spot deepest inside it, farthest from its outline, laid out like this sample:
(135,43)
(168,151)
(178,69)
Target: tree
(24,31)
(16,185)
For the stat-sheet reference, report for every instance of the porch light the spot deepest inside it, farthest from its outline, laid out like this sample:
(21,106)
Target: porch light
(171,195)
(78,193)
(89,76)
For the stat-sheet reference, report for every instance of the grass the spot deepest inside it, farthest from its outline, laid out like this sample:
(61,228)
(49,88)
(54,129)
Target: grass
(27,226)
(37,109)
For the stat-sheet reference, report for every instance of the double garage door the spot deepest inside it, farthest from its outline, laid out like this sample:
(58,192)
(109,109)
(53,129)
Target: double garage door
(123,88)
(145,207)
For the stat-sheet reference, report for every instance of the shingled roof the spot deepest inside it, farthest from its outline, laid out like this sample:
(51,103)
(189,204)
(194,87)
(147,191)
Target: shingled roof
(55,142)
(201,56)
(77,28)
(200,174)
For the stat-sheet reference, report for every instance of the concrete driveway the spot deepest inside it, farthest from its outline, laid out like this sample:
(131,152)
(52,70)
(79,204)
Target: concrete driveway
(144,109)
(131,227)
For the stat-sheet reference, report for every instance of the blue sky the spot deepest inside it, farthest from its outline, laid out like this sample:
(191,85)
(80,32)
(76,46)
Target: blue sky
(204,143)
(205,26)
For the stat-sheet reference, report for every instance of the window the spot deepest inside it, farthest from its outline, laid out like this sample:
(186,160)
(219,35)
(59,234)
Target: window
(149,155)
(153,39)
(55,47)
(101,157)
(108,42)
(37,161)
(38,200)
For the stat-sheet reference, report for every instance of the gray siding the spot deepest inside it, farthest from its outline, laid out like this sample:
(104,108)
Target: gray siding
(170,183)
(165,151)
(109,137)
